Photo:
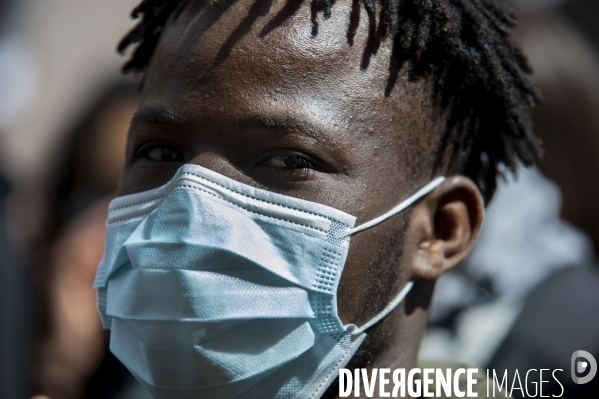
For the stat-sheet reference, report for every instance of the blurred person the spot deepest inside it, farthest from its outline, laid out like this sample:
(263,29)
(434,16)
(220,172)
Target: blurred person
(562,313)
(261,124)
(524,240)
(71,359)
(533,6)
(527,296)
(14,287)
(583,13)
(553,205)
(566,67)
(14,313)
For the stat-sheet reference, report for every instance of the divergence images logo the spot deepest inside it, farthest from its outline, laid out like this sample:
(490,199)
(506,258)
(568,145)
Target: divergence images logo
(579,366)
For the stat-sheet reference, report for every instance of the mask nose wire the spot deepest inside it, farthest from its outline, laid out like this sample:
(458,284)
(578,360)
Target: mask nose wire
(433,184)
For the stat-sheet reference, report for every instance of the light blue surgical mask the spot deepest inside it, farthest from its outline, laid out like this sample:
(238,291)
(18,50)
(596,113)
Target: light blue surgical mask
(215,289)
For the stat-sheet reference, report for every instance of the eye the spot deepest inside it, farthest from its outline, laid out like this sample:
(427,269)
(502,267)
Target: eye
(160,153)
(293,162)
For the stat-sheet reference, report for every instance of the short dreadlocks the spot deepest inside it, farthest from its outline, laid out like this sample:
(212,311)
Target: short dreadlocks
(462,47)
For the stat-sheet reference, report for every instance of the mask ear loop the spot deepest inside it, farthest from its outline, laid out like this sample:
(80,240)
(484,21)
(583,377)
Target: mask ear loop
(388,309)
(400,207)
(397,209)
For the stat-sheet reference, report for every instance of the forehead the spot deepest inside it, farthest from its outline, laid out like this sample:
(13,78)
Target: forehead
(265,33)
(269,30)
(276,48)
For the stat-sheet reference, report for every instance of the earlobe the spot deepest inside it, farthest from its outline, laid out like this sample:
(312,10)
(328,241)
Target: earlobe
(443,227)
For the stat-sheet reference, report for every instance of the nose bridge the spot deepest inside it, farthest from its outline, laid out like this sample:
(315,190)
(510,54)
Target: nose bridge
(217,161)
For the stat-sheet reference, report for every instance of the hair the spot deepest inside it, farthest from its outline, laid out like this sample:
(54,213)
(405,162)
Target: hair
(478,74)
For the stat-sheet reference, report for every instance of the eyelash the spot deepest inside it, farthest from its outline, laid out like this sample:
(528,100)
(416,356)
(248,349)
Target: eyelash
(284,163)
(291,163)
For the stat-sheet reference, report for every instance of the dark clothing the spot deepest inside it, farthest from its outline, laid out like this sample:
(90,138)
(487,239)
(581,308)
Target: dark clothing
(561,317)
(13,315)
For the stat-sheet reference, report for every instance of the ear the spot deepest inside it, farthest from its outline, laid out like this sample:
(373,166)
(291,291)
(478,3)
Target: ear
(443,227)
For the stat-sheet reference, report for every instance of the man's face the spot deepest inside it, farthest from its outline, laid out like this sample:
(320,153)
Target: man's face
(260,93)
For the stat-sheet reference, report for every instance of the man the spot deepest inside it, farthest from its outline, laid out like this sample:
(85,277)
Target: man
(561,315)
(351,105)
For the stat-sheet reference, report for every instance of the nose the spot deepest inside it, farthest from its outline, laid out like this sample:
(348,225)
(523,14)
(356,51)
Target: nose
(217,162)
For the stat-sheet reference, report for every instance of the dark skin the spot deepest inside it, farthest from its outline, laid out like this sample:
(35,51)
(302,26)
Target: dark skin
(292,112)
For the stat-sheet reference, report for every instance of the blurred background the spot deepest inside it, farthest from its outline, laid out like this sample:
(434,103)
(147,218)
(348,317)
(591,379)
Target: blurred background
(64,114)
(526,298)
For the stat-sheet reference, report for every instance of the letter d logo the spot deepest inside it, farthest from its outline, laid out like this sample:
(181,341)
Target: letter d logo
(582,366)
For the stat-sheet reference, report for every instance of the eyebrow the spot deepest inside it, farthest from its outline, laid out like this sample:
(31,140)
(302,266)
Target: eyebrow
(158,116)
(275,123)
(286,123)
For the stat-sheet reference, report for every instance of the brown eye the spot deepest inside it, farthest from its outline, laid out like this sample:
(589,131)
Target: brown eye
(161,153)
(289,162)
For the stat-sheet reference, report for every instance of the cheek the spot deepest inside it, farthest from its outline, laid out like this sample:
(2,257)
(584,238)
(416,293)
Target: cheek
(374,271)
(355,281)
